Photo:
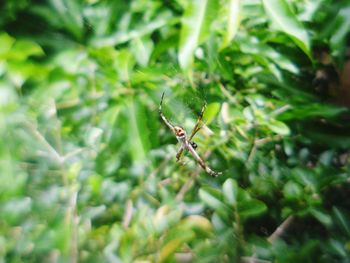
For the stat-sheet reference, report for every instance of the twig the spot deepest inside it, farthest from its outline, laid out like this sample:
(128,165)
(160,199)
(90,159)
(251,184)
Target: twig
(253,260)
(128,214)
(73,153)
(226,93)
(252,152)
(72,220)
(160,167)
(165,182)
(184,257)
(281,229)
(259,142)
(281,110)
(187,186)
(47,145)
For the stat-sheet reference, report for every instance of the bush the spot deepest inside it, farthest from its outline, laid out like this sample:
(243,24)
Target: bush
(88,169)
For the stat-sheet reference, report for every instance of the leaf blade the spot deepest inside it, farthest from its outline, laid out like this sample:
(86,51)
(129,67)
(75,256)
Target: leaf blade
(196,22)
(281,15)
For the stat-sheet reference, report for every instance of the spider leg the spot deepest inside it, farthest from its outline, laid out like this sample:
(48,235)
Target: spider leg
(187,142)
(179,153)
(201,162)
(171,127)
(199,124)
(195,129)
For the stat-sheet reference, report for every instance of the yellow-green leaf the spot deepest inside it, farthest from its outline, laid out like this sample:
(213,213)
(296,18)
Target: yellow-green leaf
(233,21)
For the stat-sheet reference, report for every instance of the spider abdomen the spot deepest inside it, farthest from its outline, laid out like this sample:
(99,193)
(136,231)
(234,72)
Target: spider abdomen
(193,144)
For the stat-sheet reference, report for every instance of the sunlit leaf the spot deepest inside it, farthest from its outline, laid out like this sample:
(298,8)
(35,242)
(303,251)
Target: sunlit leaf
(88,168)
(144,29)
(138,137)
(278,127)
(6,43)
(27,48)
(142,48)
(248,113)
(199,224)
(230,190)
(211,197)
(195,28)
(233,20)
(210,112)
(173,245)
(93,136)
(340,29)
(123,64)
(285,20)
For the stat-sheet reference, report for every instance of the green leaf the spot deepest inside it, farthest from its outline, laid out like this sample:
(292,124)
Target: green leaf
(251,208)
(281,16)
(161,21)
(318,110)
(93,136)
(178,237)
(321,216)
(200,224)
(71,16)
(233,21)
(195,28)
(340,30)
(210,112)
(248,113)
(124,64)
(6,43)
(278,127)
(211,197)
(139,133)
(142,49)
(343,220)
(27,48)
(230,190)
(338,247)
(292,190)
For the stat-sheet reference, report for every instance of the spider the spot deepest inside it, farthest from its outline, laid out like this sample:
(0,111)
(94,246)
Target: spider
(185,141)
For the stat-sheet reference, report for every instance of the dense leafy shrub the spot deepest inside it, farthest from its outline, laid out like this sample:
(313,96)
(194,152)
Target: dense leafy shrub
(88,170)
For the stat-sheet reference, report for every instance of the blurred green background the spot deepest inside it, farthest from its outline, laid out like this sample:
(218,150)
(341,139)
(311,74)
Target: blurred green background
(88,170)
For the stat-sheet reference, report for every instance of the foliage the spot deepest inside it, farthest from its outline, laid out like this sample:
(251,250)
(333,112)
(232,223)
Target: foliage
(88,170)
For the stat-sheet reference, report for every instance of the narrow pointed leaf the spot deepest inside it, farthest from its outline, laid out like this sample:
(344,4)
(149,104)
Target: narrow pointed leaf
(211,197)
(233,20)
(196,23)
(283,18)
(230,190)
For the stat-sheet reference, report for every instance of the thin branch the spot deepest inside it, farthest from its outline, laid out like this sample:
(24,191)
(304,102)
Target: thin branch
(165,182)
(187,186)
(160,167)
(281,110)
(259,142)
(252,152)
(73,153)
(226,93)
(128,214)
(55,155)
(72,220)
(184,257)
(253,260)
(281,229)
(269,139)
